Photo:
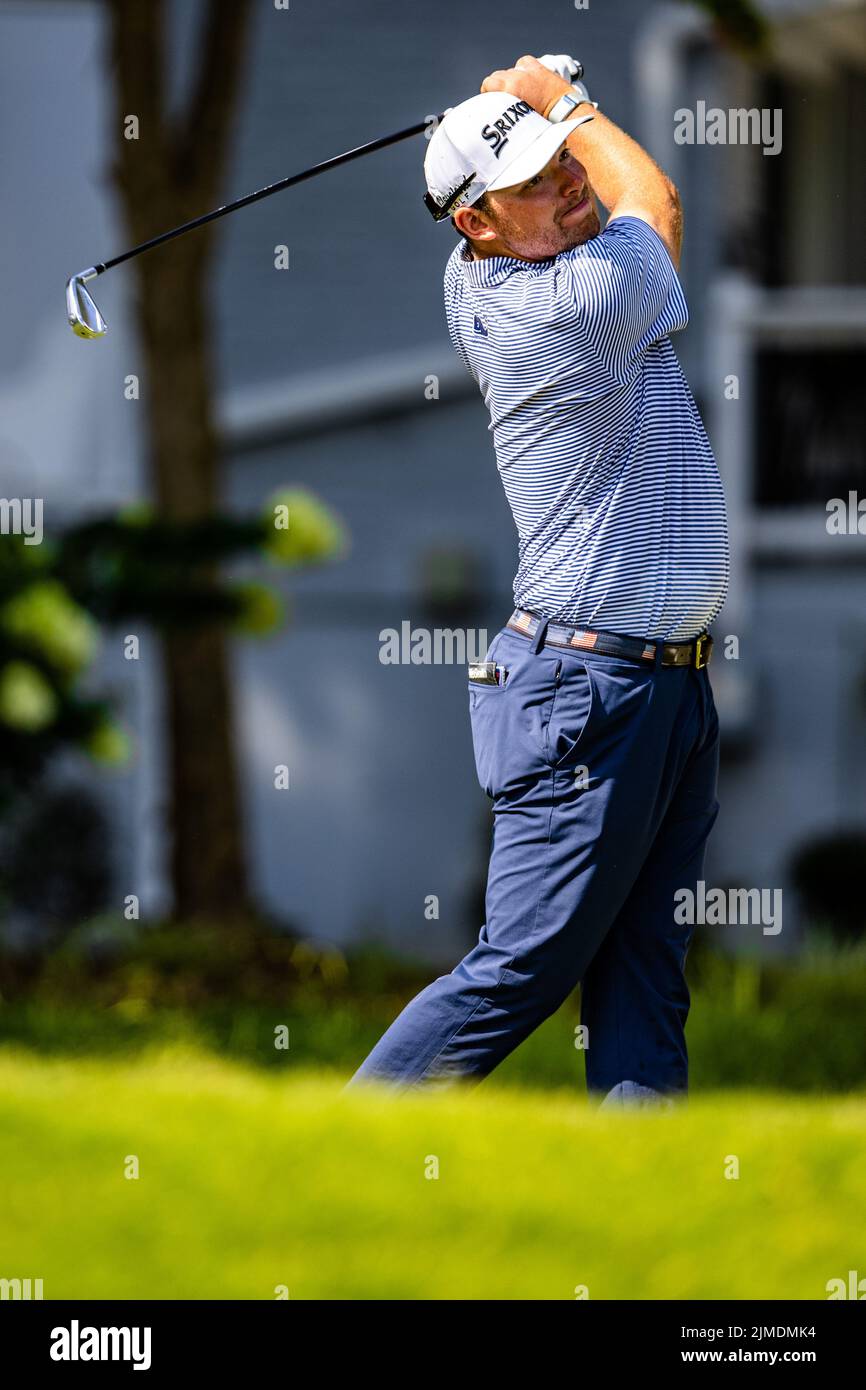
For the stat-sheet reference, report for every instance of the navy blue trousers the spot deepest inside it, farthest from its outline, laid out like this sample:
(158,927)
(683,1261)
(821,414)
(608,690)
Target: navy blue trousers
(602,772)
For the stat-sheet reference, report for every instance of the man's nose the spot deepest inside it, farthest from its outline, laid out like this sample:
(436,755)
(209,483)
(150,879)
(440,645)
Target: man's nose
(571,177)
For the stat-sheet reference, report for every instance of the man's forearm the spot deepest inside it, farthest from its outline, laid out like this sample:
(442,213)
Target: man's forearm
(616,164)
(625,178)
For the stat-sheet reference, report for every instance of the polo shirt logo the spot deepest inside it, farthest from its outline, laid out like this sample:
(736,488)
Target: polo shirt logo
(479,327)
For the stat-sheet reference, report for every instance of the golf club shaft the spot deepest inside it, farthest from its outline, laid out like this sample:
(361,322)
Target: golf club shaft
(264,193)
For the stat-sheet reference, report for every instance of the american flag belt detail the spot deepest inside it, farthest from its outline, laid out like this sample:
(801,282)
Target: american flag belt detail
(696,652)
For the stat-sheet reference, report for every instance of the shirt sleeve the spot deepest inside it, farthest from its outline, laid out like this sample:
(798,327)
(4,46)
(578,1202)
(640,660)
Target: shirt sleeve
(626,293)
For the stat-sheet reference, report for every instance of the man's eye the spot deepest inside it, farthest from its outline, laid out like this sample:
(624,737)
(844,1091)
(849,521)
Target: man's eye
(534,181)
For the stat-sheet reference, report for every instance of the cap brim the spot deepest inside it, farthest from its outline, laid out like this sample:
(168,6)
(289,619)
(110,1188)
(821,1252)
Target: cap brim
(526,165)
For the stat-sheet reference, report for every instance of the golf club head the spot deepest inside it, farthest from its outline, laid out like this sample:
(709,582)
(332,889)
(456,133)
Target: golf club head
(83,315)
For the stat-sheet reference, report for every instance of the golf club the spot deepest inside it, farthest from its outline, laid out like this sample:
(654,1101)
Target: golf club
(84,317)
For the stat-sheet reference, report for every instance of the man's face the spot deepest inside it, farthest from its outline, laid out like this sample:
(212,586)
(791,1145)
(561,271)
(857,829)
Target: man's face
(547,214)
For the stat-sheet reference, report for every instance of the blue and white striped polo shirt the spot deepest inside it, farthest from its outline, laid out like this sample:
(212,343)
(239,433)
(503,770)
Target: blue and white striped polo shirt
(603,455)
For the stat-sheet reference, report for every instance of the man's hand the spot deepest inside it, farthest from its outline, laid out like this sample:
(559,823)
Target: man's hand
(530,81)
(572,70)
(563,64)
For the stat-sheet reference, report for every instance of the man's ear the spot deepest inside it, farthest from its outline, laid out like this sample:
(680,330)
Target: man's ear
(473,225)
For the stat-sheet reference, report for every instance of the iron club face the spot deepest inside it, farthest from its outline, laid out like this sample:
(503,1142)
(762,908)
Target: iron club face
(84,318)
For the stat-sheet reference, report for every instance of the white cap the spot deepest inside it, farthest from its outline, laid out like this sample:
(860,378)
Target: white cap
(491,141)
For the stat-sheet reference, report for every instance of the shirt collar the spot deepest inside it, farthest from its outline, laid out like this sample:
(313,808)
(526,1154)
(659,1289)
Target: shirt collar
(491,270)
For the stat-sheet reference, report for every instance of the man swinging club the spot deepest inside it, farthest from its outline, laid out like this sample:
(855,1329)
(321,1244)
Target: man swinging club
(593,722)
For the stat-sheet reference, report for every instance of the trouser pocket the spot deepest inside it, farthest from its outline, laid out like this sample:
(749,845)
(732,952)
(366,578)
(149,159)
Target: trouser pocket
(509,718)
(574,700)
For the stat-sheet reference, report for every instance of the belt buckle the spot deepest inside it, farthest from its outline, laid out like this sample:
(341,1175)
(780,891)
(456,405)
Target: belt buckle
(704,643)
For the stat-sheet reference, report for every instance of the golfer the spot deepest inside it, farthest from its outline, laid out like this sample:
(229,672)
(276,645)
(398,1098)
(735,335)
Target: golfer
(593,722)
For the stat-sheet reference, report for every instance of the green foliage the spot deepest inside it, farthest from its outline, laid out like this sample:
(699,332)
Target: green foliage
(47,639)
(301,530)
(27,702)
(167,572)
(261,610)
(109,960)
(108,744)
(44,617)
(130,567)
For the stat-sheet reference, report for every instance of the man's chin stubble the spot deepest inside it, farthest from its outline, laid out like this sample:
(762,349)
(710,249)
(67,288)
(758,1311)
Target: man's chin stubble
(589,228)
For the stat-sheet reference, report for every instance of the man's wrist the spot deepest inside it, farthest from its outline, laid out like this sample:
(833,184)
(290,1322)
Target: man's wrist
(558,89)
(565,106)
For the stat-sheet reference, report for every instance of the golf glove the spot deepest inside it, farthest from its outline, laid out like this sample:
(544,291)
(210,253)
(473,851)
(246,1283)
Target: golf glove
(571,70)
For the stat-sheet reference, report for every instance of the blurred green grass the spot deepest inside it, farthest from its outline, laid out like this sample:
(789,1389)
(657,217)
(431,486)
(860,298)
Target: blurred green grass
(250,1180)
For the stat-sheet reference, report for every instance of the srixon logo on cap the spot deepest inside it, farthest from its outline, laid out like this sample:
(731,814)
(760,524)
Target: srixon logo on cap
(496,134)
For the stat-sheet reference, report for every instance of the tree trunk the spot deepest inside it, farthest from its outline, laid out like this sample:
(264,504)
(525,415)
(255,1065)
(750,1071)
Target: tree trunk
(169,174)
(208,869)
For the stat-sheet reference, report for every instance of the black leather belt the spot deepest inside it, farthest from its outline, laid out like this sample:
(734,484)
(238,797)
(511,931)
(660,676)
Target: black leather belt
(695,652)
